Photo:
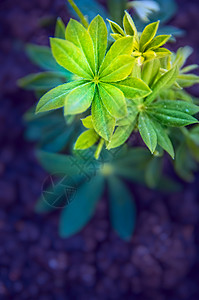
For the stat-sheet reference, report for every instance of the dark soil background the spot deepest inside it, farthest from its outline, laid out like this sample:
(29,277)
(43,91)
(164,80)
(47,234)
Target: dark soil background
(162,259)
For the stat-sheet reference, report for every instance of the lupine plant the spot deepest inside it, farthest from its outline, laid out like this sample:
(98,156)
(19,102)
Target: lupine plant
(134,87)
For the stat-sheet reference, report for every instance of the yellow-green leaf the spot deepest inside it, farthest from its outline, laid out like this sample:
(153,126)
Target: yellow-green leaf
(123,46)
(158,41)
(87,122)
(55,98)
(148,34)
(113,99)
(147,131)
(129,25)
(79,100)
(77,34)
(118,69)
(98,32)
(86,140)
(133,88)
(70,57)
(103,122)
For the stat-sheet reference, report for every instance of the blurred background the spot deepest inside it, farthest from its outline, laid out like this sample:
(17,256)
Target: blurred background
(160,262)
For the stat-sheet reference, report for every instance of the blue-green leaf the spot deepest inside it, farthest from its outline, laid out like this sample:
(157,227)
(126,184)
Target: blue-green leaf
(122,208)
(78,213)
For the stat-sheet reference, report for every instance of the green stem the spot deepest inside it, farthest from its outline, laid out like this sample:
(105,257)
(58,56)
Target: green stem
(99,148)
(79,13)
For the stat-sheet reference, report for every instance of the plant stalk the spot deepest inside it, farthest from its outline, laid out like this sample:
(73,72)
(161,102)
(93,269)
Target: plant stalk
(79,13)
(99,148)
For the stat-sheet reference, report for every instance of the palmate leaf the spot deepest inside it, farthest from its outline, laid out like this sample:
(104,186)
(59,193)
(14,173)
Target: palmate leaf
(103,122)
(133,88)
(79,36)
(122,208)
(77,214)
(113,99)
(123,46)
(86,140)
(98,32)
(55,98)
(147,131)
(148,34)
(79,99)
(118,69)
(71,58)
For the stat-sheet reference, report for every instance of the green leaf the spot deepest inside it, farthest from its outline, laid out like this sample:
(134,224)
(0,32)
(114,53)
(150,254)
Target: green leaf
(86,140)
(113,99)
(87,122)
(122,208)
(182,55)
(149,55)
(165,80)
(123,46)
(172,117)
(148,34)
(116,28)
(147,131)
(131,116)
(150,71)
(121,135)
(78,213)
(153,172)
(133,88)
(116,36)
(56,97)
(158,41)
(116,9)
(162,138)
(103,122)
(189,68)
(184,163)
(42,57)
(162,52)
(129,25)
(118,70)
(187,80)
(178,105)
(41,81)
(98,32)
(77,34)
(60,29)
(79,99)
(65,164)
(70,57)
